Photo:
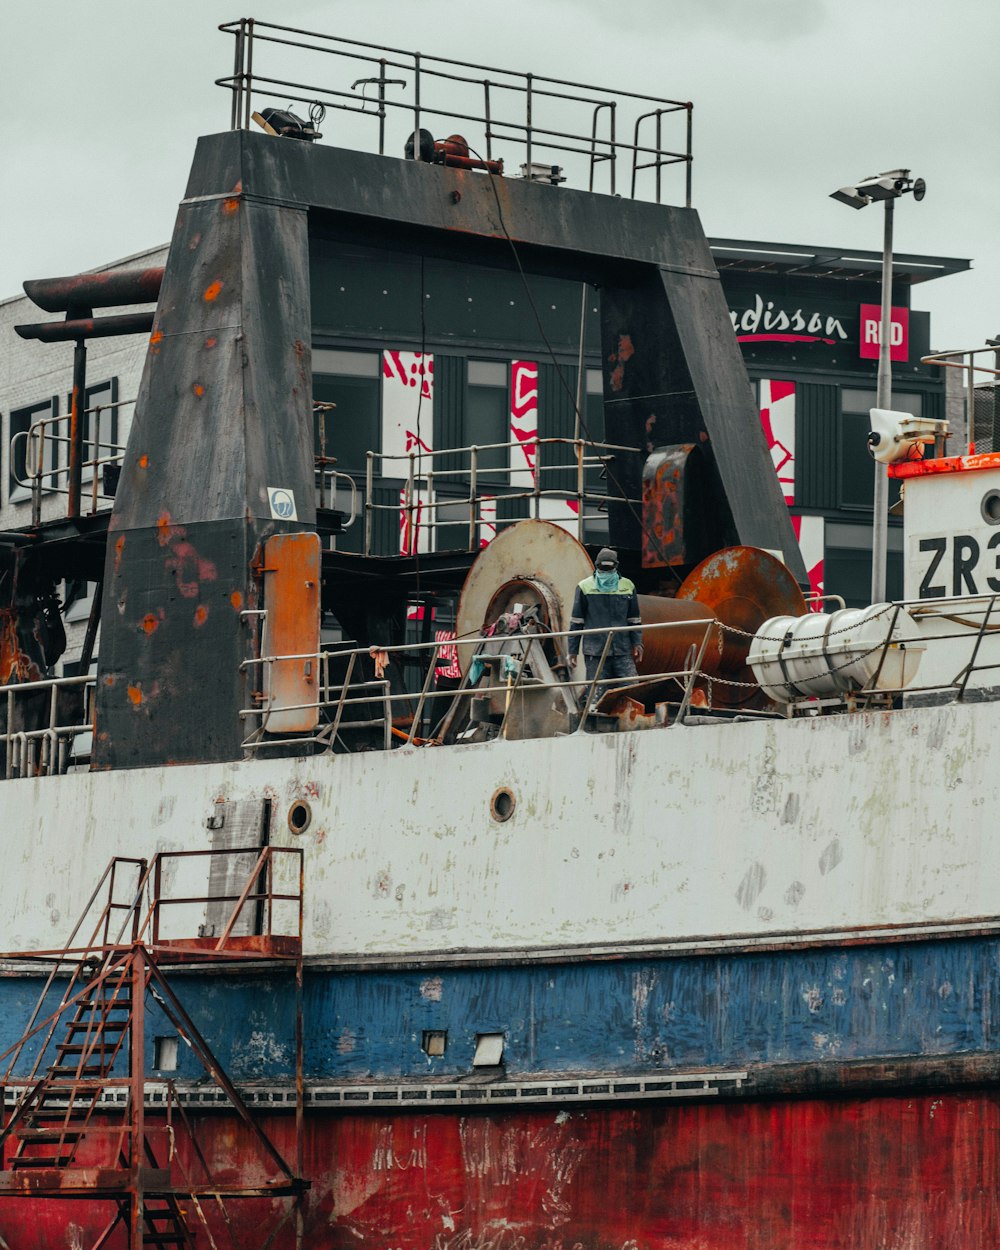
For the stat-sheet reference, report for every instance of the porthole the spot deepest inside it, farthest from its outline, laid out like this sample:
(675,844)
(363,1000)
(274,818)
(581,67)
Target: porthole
(502,804)
(990,507)
(299,816)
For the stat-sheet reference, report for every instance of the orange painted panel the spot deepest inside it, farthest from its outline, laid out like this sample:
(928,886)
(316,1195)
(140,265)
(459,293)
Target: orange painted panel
(292,575)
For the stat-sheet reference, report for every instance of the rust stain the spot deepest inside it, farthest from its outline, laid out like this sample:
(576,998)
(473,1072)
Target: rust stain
(238,187)
(188,567)
(143,461)
(119,548)
(212,290)
(165,531)
(617,377)
(109,681)
(625,349)
(236,599)
(230,206)
(194,241)
(150,623)
(198,389)
(135,695)
(155,339)
(211,341)
(200,615)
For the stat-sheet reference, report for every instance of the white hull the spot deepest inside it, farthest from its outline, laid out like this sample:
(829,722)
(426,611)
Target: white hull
(683,835)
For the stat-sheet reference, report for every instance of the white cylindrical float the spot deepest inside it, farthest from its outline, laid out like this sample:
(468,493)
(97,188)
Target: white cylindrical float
(825,654)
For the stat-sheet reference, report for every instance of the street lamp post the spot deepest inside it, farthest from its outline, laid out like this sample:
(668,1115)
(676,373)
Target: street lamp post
(887,187)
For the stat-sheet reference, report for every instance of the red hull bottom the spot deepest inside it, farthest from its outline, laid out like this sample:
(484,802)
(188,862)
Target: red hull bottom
(913,1173)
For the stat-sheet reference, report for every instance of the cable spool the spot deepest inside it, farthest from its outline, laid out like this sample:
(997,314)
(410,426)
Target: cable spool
(532,564)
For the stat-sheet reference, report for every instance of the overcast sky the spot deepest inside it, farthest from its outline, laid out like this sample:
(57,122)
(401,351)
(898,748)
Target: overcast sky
(793,98)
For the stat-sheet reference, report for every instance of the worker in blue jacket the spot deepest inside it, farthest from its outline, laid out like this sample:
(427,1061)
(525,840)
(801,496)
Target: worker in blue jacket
(607,599)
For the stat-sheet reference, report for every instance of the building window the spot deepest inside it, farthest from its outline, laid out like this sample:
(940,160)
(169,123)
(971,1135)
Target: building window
(100,425)
(857,473)
(848,563)
(593,406)
(351,381)
(487,414)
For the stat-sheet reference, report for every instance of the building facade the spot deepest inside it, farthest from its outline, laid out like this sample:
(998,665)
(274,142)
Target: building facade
(807,320)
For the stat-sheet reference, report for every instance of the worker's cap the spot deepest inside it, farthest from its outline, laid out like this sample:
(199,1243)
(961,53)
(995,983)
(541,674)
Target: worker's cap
(607,559)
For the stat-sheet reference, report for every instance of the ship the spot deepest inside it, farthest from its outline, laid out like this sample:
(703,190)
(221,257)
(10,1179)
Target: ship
(339,908)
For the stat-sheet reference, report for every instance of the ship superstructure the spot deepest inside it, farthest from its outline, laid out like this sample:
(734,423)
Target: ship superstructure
(704,960)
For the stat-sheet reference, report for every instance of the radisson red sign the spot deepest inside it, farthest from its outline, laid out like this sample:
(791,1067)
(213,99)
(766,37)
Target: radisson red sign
(899,340)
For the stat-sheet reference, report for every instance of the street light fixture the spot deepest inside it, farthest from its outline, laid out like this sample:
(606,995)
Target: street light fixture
(885,187)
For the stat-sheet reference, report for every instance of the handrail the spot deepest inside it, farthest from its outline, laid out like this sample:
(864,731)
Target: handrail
(340,695)
(326,488)
(962,358)
(420,502)
(53,740)
(148,923)
(544,116)
(31,445)
(351,694)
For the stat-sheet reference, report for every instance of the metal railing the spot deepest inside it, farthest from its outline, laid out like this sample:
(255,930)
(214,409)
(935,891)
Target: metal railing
(344,687)
(35,743)
(396,716)
(44,450)
(543,121)
(327,482)
(976,375)
(422,502)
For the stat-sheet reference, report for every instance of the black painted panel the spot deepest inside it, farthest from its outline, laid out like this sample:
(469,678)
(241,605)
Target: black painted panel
(817,417)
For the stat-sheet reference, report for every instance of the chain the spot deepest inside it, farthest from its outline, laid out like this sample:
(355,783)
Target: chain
(833,668)
(743,633)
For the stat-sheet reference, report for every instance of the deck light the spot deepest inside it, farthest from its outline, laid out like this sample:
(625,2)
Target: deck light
(886,187)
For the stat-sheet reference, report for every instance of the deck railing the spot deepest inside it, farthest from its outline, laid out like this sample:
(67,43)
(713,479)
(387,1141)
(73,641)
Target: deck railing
(44,451)
(46,726)
(463,497)
(979,379)
(395,717)
(961,636)
(530,121)
(384,709)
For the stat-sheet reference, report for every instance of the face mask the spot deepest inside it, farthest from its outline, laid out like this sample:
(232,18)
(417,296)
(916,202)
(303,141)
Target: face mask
(606,579)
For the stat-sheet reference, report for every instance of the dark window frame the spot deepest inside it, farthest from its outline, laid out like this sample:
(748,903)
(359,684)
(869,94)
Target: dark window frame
(20,422)
(92,391)
(858,416)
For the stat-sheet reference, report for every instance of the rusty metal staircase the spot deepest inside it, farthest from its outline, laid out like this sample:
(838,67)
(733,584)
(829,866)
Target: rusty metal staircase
(76,1123)
(57,1111)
